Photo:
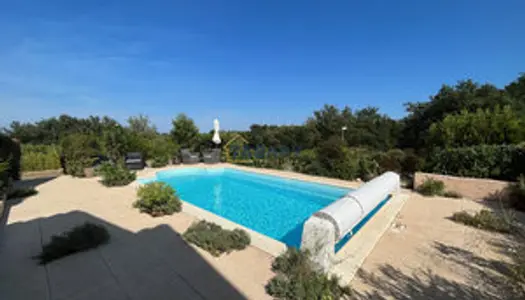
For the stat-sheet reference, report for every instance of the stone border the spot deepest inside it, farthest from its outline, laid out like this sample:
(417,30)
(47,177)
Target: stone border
(44,173)
(349,258)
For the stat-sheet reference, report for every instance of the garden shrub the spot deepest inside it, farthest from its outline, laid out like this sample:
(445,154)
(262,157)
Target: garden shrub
(161,149)
(40,157)
(80,238)
(297,278)
(504,162)
(516,194)
(431,187)
(79,151)
(115,174)
(10,152)
(216,240)
(160,161)
(4,166)
(157,199)
(21,193)
(333,159)
(392,160)
(304,161)
(411,163)
(483,219)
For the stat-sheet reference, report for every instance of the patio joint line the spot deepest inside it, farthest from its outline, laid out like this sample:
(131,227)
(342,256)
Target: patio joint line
(128,296)
(187,282)
(48,281)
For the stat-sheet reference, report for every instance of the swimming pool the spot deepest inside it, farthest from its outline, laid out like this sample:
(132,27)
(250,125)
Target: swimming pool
(274,206)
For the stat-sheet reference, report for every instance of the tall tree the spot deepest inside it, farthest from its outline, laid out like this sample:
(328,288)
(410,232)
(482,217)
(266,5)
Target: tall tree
(465,95)
(491,127)
(185,133)
(141,124)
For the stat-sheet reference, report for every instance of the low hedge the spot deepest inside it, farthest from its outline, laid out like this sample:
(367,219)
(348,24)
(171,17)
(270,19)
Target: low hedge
(212,238)
(40,157)
(503,162)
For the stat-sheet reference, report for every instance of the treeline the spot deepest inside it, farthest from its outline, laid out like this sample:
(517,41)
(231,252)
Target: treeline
(466,122)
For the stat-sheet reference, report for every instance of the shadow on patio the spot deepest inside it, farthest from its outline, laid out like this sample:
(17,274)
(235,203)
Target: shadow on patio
(153,263)
(485,279)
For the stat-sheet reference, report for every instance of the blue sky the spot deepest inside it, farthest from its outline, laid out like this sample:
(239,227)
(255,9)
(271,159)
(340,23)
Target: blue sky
(246,61)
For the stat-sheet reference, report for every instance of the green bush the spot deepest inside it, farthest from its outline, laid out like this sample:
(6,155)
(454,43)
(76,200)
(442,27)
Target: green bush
(296,278)
(392,160)
(431,187)
(160,161)
(157,199)
(78,151)
(21,193)
(162,148)
(76,167)
(4,166)
(212,238)
(504,162)
(483,219)
(80,238)
(516,194)
(40,157)
(10,152)
(115,174)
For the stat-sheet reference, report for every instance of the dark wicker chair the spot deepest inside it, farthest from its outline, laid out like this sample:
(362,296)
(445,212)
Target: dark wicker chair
(189,157)
(212,156)
(134,161)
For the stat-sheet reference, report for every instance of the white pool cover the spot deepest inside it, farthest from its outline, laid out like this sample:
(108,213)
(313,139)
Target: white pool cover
(329,225)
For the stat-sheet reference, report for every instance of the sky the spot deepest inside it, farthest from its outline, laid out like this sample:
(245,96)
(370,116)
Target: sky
(246,61)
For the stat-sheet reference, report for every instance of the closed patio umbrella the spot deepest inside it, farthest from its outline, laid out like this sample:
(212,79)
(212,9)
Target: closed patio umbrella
(216,138)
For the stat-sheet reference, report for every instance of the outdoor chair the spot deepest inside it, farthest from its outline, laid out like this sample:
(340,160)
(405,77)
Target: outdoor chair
(212,156)
(189,157)
(134,161)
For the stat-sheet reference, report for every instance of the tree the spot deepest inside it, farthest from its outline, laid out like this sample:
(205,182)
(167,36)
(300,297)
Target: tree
(490,127)
(364,128)
(516,90)
(141,124)
(185,133)
(115,142)
(52,130)
(465,95)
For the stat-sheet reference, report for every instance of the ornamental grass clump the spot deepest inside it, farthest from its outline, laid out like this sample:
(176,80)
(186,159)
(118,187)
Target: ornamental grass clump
(485,220)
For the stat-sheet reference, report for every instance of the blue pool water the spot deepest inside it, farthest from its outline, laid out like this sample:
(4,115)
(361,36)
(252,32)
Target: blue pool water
(274,206)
